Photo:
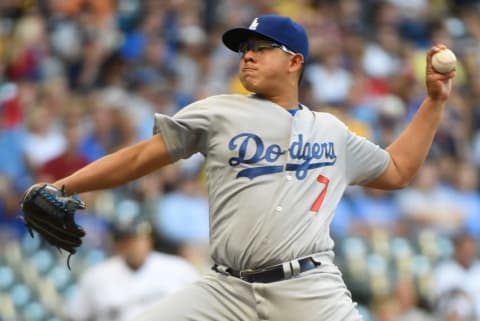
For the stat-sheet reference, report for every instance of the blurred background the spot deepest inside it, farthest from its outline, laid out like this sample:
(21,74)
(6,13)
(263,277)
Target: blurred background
(82,78)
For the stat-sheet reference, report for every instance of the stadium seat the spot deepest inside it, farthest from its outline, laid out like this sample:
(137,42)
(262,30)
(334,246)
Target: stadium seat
(30,245)
(7,308)
(43,260)
(13,255)
(95,256)
(34,311)
(401,248)
(365,313)
(434,246)
(378,272)
(353,246)
(7,278)
(28,273)
(60,277)
(21,295)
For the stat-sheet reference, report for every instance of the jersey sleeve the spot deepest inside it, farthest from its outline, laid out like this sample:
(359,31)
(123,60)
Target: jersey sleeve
(186,132)
(365,160)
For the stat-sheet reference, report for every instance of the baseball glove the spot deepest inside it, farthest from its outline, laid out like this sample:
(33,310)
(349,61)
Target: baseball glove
(51,213)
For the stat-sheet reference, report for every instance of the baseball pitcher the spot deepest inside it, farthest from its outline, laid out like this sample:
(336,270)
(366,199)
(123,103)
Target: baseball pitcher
(276,171)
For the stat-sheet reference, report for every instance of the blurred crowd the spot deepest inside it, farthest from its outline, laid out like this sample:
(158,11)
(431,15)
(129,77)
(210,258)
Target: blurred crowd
(82,78)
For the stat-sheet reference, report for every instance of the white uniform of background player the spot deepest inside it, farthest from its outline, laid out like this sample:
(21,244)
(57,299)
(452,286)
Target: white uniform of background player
(113,291)
(275,177)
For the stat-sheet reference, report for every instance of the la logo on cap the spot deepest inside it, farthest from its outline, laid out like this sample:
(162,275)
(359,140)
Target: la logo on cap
(254,24)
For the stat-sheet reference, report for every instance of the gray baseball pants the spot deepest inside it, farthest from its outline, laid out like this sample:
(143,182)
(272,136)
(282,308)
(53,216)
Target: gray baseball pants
(315,295)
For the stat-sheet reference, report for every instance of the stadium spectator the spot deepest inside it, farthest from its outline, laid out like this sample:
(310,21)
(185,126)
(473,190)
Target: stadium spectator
(70,160)
(99,138)
(467,196)
(330,80)
(182,215)
(133,279)
(43,140)
(459,277)
(375,210)
(406,295)
(12,137)
(425,204)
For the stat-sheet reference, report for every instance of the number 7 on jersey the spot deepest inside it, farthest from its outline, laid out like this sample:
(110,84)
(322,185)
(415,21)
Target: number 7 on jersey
(318,202)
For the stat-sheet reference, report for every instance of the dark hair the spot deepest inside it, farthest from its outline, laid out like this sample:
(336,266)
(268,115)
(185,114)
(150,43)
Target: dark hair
(462,236)
(123,230)
(300,78)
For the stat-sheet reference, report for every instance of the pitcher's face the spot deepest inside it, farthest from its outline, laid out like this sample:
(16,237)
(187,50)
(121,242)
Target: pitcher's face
(263,64)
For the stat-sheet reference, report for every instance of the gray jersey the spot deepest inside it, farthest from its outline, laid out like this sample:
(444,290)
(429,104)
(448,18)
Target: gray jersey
(274,179)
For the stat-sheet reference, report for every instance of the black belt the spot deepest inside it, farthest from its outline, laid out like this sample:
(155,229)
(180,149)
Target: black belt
(270,274)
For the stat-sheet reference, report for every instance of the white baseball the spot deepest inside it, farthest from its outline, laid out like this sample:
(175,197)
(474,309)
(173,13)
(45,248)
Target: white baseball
(444,61)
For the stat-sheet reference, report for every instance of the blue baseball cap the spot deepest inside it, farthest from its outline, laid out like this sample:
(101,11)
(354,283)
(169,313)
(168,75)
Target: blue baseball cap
(280,29)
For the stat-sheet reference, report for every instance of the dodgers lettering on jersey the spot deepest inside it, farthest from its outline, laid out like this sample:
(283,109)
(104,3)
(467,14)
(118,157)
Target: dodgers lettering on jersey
(313,154)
